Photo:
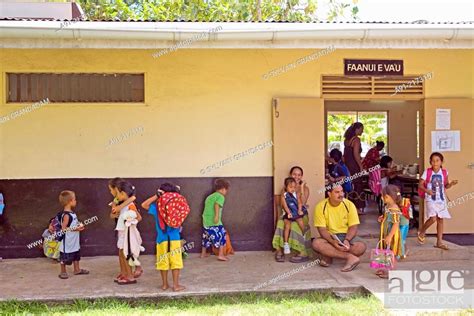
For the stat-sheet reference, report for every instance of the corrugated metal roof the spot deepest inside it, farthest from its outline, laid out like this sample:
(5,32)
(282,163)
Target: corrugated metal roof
(235,21)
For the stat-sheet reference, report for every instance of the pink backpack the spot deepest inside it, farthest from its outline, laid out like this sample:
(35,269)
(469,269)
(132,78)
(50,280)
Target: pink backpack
(375,183)
(429,173)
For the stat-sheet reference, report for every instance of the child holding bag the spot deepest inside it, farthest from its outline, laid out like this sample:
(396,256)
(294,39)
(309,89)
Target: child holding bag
(393,228)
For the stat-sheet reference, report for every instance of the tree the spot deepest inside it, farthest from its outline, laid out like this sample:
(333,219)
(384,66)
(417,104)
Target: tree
(216,10)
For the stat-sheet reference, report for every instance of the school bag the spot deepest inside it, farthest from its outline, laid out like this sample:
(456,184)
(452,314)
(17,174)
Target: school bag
(57,228)
(429,173)
(341,170)
(173,209)
(375,182)
(406,208)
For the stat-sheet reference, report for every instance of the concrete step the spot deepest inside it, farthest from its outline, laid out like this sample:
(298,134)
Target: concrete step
(426,252)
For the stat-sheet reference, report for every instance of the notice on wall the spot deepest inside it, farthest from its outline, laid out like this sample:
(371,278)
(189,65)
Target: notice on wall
(443,118)
(445,141)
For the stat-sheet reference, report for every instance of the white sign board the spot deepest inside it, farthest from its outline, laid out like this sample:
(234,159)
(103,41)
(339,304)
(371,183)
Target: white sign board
(445,141)
(443,118)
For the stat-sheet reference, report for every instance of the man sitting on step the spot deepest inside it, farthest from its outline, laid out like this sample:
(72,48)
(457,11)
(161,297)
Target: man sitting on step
(336,220)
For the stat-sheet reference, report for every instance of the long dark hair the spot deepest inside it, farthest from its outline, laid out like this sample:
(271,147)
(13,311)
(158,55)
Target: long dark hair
(126,187)
(296,167)
(351,130)
(115,182)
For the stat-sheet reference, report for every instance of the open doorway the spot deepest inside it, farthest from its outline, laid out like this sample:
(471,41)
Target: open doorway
(397,124)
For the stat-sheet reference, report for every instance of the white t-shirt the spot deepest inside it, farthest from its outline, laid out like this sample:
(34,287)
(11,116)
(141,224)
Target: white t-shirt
(437,185)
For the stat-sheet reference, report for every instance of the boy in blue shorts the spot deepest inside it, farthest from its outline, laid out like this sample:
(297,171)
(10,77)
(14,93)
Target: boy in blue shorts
(168,246)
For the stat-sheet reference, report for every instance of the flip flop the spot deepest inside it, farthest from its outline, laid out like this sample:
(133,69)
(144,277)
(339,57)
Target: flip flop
(299,259)
(63,276)
(136,275)
(442,246)
(81,272)
(126,282)
(279,257)
(323,263)
(352,267)
(421,240)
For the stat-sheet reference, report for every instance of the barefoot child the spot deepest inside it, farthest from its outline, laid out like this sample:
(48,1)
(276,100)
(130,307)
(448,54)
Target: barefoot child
(125,190)
(168,241)
(293,211)
(69,246)
(432,187)
(214,233)
(116,206)
(394,225)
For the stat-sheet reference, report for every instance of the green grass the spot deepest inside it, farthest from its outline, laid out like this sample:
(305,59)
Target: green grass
(245,304)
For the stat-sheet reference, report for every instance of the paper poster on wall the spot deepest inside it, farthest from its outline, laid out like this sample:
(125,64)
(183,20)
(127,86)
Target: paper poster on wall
(443,118)
(445,141)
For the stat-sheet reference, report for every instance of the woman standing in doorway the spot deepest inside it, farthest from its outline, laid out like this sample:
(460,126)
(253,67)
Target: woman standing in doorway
(353,160)
(299,241)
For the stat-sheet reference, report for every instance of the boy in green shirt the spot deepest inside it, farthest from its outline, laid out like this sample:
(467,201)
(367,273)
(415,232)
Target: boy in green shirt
(214,233)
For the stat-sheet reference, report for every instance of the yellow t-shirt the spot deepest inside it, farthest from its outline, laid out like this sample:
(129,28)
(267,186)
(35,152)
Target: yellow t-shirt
(336,219)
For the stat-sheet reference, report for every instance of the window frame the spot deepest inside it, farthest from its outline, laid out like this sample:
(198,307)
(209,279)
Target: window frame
(5,88)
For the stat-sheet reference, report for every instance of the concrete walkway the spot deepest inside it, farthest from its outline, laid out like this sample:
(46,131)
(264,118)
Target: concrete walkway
(37,279)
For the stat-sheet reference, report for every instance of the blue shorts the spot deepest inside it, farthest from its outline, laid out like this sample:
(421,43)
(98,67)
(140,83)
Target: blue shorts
(213,236)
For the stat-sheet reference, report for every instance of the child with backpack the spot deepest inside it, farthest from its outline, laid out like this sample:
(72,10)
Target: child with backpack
(169,209)
(432,188)
(125,190)
(394,225)
(214,233)
(68,236)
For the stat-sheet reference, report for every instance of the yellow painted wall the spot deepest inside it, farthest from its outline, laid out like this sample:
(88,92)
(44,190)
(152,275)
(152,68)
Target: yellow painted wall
(201,107)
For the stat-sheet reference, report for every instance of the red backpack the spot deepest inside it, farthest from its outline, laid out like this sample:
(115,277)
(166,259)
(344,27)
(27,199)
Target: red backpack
(406,208)
(429,173)
(173,209)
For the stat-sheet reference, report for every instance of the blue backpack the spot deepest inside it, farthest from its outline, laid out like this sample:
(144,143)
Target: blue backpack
(56,222)
(341,170)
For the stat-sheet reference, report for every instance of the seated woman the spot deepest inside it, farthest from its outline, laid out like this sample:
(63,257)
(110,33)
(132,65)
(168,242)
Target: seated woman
(373,155)
(298,241)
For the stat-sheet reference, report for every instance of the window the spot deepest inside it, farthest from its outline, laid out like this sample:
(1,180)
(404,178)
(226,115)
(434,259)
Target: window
(375,128)
(75,87)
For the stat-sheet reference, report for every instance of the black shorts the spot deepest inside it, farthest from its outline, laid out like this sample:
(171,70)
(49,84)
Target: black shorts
(68,258)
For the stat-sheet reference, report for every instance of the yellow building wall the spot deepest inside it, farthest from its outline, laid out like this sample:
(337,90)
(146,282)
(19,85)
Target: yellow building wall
(201,106)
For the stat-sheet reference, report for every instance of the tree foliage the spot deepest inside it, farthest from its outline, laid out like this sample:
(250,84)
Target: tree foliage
(217,10)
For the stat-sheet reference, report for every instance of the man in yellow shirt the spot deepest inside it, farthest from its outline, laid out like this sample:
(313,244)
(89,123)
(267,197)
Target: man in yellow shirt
(336,219)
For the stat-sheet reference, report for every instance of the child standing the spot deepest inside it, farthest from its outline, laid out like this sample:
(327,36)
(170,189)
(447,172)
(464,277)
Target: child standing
(214,233)
(394,225)
(125,190)
(116,206)
(168,241)
(293,211)
(432,186)
(69,246)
